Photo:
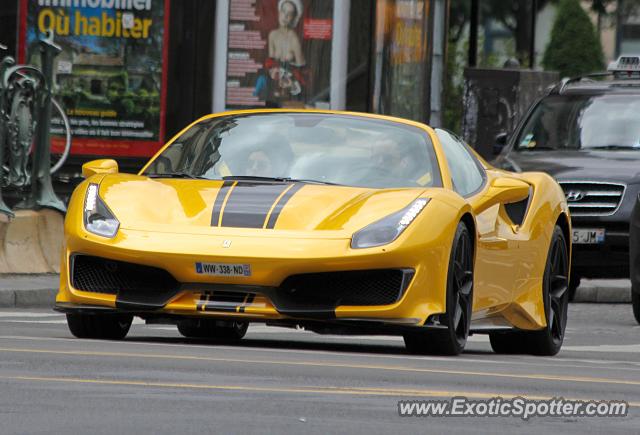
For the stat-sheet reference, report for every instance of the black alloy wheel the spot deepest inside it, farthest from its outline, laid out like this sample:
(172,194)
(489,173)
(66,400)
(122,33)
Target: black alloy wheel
(457,319)
(555,296)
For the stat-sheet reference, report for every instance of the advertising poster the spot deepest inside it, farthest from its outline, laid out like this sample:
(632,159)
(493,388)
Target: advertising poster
(279,53)
(109,77)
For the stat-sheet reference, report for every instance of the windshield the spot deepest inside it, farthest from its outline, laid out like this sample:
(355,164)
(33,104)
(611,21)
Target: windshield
(562,122)
(320,148)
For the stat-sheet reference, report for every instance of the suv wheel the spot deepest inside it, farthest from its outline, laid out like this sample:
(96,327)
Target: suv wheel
(635,302)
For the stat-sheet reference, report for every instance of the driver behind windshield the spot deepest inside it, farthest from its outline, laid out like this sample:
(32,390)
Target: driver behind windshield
(273,158)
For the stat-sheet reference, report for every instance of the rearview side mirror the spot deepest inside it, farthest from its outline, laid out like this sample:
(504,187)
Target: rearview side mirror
(500,143)
(102,166)
(503,190)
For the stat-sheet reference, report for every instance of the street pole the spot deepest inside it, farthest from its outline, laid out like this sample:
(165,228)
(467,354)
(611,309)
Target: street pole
(619,25)
(473,33)
(532,42)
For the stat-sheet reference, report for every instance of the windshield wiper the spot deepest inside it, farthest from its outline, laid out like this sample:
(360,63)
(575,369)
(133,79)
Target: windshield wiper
(311,181)
(176,175)
(253,178)
(536,148)
(613,147)
(276,179)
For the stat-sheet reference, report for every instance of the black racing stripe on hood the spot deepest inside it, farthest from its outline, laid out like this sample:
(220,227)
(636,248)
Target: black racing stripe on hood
(249,204)
(281,203)
(217,205)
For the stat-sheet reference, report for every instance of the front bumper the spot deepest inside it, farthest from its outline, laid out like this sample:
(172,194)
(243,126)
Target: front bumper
(272,261)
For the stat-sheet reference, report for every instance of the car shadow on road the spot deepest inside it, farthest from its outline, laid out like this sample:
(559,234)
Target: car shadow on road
(324,346)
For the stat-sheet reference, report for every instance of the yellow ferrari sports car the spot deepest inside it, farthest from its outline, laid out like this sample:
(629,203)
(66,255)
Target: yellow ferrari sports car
(335,222)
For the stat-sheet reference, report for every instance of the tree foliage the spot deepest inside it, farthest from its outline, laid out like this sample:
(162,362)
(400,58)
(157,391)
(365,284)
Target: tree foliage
(574,48)
(515,15)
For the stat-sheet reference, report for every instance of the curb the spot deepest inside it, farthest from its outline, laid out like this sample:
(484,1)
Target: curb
(33,298)
(604,291)
(28,291)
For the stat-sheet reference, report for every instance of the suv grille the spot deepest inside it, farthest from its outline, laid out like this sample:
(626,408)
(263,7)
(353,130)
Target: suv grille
(592,198)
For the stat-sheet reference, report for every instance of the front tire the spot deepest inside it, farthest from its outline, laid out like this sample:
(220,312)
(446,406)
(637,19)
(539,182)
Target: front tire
(99,326)
(457,319)
(213,329)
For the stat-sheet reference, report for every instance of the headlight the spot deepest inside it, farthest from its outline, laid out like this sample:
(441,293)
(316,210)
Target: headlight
(98,219)
(388,229)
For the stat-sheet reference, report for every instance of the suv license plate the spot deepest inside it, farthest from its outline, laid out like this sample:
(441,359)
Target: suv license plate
(584,236)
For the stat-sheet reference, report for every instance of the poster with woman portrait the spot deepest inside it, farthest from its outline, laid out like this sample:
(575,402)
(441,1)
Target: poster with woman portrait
(279,53)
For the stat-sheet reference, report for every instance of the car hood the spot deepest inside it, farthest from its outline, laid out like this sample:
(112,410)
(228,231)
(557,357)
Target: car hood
(601,165)
(213,206)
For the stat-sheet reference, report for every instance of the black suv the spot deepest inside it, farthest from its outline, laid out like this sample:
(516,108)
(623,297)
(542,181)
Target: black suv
(586,133)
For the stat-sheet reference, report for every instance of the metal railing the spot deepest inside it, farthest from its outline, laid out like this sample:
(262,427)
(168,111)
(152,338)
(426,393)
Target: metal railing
(26,108)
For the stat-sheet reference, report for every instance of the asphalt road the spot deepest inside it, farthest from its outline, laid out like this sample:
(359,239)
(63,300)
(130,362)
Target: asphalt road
(287,381)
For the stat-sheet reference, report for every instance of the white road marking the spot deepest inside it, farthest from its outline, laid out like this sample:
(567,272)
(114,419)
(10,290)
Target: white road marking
(61,322)
(28,314)
(14,317)
(615,348)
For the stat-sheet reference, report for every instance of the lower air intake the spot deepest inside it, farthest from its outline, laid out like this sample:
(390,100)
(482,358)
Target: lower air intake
(100,275)
(332,289)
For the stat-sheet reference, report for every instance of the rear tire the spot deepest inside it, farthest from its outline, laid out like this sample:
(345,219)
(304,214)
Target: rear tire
(635,302)
(213,329)
(555,293)
(457,319)
(99,326)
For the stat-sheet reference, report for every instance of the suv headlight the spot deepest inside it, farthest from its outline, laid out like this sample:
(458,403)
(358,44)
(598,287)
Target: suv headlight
(387,229)
(98,219)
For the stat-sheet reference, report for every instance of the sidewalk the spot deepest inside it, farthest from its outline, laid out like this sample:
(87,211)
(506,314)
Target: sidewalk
(24,291)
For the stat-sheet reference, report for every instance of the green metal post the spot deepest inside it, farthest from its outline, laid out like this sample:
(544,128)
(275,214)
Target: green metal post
(6,62)
(4,208)
(42,194)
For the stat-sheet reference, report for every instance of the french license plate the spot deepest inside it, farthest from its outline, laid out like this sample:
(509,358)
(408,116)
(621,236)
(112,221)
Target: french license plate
(223,269)
(591,236)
